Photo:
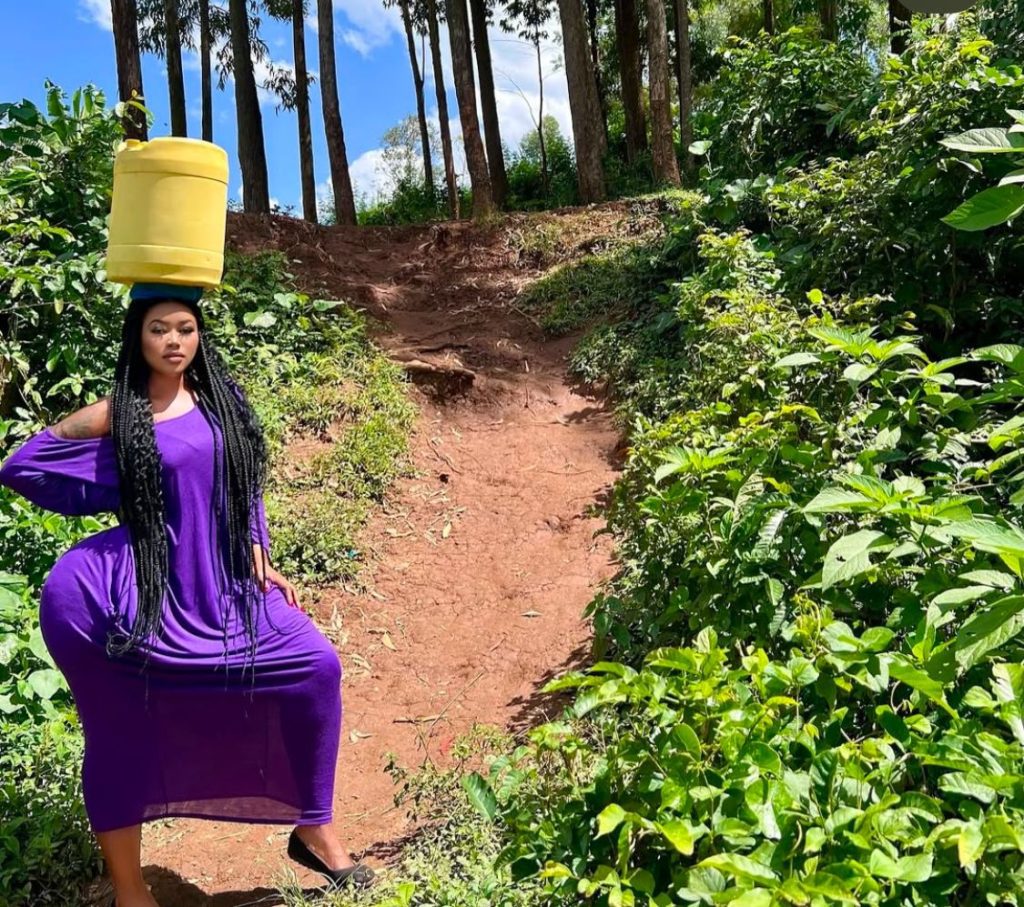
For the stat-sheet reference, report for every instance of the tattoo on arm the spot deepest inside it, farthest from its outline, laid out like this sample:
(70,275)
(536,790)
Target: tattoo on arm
(85,423)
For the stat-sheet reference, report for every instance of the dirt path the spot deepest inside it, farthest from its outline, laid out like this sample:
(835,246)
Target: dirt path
(479,567)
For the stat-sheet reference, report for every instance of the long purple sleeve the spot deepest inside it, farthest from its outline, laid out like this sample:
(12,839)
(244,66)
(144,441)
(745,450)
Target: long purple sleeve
(72,476)
(260,533)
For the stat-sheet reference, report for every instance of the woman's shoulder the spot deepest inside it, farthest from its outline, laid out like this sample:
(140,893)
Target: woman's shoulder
(91,421)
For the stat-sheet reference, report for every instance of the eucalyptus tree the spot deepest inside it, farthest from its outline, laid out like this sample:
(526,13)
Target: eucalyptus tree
(480,13)
(293,90)
(124,18)
(684,76)
(413,23)
(431,14)
(252,156)
(589,137)
(627,46)
(666,167)
(465,92)
(341,179)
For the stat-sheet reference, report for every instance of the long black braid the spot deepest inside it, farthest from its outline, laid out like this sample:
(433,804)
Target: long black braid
(241,469)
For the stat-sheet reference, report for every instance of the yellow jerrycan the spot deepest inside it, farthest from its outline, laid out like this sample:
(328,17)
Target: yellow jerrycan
(169,212)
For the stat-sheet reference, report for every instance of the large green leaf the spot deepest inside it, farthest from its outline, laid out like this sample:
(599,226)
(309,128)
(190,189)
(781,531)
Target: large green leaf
(989,629)
(45,682)
(741,867)
(988,208)
(850,556)
(917,868)
(679,834)
(986,534)
(609,819)
(902,670)
(480,794)
(990,140)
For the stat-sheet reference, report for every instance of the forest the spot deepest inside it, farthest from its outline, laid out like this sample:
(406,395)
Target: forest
(804,682)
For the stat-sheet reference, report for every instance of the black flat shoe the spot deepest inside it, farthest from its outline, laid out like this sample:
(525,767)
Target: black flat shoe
(360,875)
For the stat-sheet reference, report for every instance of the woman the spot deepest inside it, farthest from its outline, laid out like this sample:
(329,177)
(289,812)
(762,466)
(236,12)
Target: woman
(145,617)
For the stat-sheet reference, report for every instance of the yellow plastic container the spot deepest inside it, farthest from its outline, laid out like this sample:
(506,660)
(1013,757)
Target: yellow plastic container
(169,212)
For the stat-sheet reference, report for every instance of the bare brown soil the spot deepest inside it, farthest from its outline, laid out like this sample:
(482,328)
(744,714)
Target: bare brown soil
(479,567)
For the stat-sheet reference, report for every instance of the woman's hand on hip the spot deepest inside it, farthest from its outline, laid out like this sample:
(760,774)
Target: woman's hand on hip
(272,576)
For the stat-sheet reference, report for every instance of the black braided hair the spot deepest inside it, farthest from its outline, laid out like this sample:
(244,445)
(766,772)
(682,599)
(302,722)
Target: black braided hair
(241,468)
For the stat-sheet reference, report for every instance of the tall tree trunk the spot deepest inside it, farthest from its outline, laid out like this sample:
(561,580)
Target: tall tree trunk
(683,61)
(628,45)
(488,103)
(344,200)
(204,65)
(129,65)
(421,107)
(442,110)
(175,78)
(252,156)
(627,40)
(666,168)
(540,120)
(465,92)
(589,137)
(595,57)
(899,24)
(768,13)
(829,16)
(302,109)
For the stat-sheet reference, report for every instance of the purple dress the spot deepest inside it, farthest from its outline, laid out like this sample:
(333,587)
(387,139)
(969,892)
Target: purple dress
(186,735)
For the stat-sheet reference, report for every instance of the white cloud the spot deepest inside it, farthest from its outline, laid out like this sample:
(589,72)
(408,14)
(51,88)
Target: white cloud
(371,24)
(97,12)
(357,41)
(368,175)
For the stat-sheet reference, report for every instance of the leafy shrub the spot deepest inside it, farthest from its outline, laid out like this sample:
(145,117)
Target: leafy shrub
(998,204)
(782,98)
(451,858)
(872,223)
(841,720)
(411,202)
(59,314)
(817,690)
(47,851)
(526,184)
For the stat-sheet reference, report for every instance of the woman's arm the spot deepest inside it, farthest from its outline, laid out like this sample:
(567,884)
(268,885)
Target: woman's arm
(69,468)
(92,421)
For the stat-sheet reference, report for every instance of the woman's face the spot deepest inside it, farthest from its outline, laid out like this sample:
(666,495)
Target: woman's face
(170,337)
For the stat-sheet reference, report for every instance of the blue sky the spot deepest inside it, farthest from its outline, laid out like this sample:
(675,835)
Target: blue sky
(70,42)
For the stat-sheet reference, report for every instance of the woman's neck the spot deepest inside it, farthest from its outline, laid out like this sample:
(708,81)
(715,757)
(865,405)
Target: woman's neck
(166,388)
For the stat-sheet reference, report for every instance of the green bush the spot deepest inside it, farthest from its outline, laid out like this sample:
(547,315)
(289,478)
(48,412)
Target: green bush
(781,98)
(819,617)
(872,223)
